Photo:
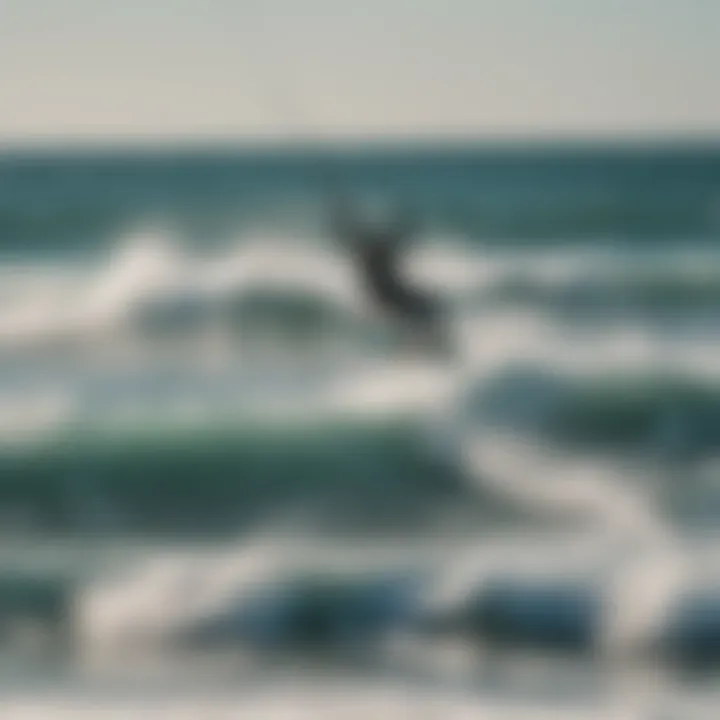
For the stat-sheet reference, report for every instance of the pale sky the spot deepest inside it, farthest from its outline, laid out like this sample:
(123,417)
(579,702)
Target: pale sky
(284,68)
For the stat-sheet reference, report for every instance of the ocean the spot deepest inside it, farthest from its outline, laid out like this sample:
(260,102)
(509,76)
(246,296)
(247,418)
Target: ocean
(228,488)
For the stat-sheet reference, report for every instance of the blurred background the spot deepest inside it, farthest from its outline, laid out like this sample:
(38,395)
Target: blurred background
(228,486)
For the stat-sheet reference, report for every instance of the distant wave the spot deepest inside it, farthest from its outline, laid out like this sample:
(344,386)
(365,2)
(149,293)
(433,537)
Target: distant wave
(629,291)
(642,412)
(150,287)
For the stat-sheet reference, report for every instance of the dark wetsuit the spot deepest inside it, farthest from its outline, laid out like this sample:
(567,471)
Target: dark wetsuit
(378,254)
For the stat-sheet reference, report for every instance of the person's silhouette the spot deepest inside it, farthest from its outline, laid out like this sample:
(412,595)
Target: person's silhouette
(378,253)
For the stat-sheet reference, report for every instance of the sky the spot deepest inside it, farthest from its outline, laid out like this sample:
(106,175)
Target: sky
(283,69)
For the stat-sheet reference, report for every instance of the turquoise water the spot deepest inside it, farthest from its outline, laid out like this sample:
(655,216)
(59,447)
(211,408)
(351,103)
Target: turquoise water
(187,363)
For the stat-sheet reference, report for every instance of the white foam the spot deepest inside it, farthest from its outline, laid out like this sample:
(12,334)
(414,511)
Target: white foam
(148,605)
(297,699)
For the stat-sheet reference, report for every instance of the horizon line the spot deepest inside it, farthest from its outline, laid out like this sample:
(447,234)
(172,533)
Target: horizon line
(261,143)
